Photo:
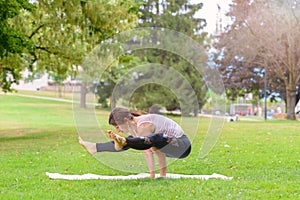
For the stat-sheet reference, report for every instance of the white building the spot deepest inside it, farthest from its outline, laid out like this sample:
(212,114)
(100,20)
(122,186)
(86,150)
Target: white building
(33,85)
(43,82)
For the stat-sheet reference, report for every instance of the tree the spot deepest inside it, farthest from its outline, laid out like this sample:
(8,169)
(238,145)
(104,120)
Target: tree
(241,78)
(177,16)
(12,41)
(111,76)
(64,32)
(263,39)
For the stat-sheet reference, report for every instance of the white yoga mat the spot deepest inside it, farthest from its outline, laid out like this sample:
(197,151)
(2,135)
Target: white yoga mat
(132,177)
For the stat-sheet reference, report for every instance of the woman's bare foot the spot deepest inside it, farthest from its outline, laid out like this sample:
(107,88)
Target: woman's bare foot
(120,142)
(89,146)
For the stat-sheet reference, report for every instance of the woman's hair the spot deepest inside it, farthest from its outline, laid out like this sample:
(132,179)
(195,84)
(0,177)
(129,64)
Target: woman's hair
(118,116)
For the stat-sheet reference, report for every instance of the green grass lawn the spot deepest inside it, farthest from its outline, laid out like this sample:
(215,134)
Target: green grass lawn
(51,94)
(39,136)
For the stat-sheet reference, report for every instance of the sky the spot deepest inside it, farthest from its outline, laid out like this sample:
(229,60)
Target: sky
(210,11)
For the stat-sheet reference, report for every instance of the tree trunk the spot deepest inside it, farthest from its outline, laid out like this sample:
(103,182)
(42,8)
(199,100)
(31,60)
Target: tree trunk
(290,103)
(59,88)
(196,109)
(83,92)
(113,102)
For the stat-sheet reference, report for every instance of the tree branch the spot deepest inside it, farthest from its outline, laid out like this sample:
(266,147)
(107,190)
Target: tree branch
(44,49)
(36,31)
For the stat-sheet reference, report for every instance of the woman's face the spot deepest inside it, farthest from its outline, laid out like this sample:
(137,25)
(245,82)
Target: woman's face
(126,127)
(122,128)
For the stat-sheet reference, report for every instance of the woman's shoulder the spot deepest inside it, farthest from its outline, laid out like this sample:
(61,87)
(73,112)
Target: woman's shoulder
(146,117)
(145,121)
(151,117)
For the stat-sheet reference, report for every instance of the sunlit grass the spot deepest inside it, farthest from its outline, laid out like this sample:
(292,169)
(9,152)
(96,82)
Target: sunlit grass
(39,136)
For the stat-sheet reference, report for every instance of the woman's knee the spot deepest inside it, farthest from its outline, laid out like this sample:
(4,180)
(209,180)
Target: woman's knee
(158,140)
(148,150)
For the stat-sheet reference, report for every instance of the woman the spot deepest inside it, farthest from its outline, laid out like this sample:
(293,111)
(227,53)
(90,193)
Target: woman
(152,133)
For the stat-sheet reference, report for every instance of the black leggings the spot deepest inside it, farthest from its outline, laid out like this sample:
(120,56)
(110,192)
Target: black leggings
(172,147)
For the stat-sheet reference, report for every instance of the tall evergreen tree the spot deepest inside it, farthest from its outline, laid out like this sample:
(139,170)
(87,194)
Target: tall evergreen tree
(178,16)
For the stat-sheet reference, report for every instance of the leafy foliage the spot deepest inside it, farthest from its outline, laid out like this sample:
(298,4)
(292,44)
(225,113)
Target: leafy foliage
(264,37)
(63,32)
(177,16)
(12,41)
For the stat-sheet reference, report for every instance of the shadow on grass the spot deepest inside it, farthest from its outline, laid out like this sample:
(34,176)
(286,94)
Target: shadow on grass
(30,136)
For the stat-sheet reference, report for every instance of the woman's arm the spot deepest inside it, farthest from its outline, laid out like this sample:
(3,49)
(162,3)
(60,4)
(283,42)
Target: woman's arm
(150,162)
(145,129)
(161,162)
